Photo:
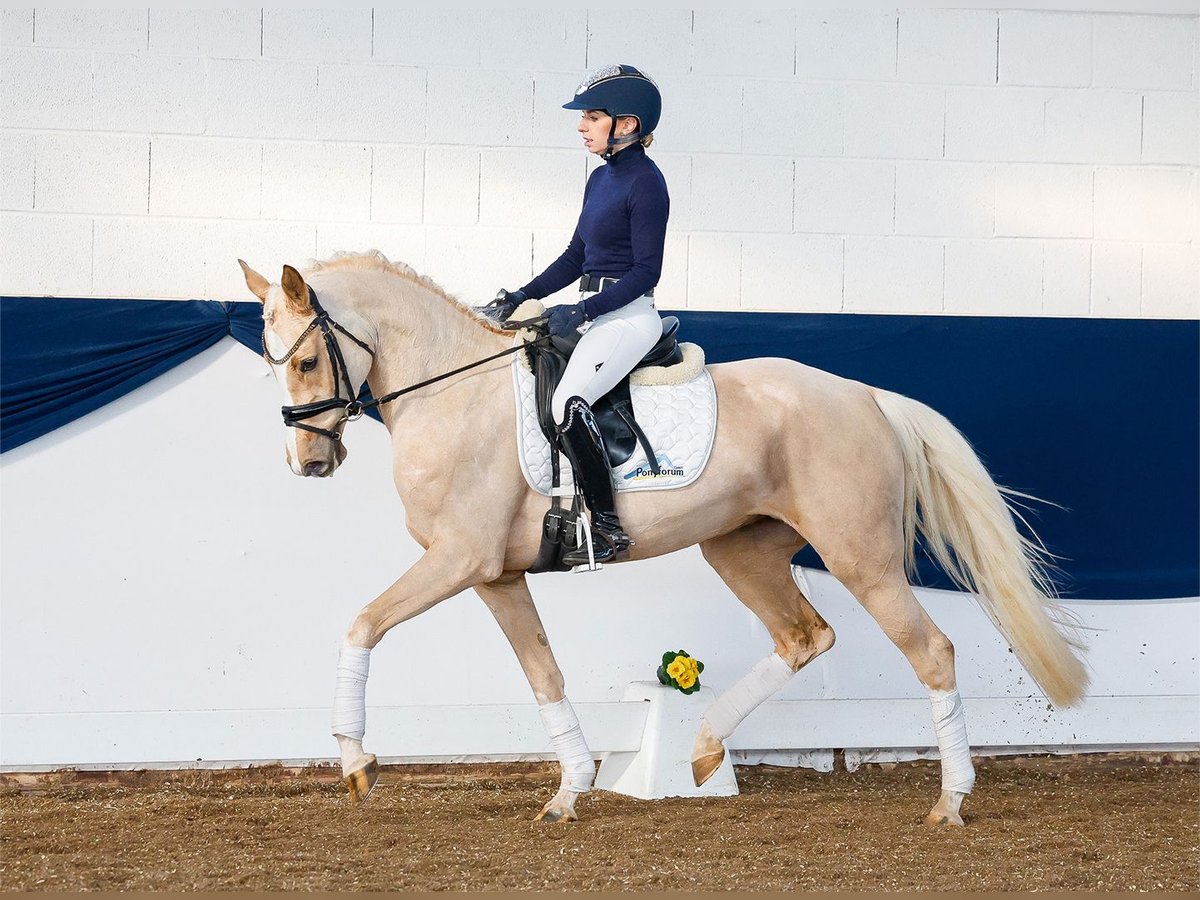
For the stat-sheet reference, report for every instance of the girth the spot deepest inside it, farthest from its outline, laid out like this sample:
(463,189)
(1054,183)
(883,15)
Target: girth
(614,411)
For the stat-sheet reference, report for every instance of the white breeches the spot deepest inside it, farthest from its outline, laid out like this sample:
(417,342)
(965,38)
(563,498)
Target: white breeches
(607,352)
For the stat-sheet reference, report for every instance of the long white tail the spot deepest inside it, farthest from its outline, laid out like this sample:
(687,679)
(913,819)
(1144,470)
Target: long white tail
(950,498)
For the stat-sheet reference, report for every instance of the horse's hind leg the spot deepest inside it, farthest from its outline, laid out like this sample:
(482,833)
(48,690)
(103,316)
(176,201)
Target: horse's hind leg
(509,600)
(890,600)
(754,561)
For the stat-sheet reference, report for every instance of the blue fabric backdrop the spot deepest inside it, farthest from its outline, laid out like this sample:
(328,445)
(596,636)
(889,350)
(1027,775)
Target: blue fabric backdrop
(1098,416)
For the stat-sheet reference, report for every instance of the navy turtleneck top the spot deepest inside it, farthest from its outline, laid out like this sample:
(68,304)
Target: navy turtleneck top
(620,234)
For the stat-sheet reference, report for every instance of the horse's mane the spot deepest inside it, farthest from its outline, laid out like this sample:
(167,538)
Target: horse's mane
(377,261)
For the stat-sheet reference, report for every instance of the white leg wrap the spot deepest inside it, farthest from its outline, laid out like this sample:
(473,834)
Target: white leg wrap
(350,692)
(951,728)
(578,767)
(768,675)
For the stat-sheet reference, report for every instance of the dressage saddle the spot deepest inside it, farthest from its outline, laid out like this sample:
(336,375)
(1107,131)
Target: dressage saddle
(613,411)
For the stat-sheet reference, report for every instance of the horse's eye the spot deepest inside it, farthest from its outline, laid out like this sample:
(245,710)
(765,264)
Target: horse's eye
(309,364)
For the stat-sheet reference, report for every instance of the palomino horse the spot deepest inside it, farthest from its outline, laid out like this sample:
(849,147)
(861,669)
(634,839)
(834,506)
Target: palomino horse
(800,456)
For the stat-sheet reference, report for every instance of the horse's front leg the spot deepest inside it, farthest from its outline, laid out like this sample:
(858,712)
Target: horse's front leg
(509,600)
(433,578)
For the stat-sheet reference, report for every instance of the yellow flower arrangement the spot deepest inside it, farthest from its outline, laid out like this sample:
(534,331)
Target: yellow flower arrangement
(679,670)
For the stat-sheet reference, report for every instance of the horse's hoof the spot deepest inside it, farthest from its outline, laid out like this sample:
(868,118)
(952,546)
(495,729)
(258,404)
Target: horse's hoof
(362,781)
(555,815)
(936,817)
(704,767)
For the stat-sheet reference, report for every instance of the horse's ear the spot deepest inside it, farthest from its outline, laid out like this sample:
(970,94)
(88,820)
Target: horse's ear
(295,291)
(257,284)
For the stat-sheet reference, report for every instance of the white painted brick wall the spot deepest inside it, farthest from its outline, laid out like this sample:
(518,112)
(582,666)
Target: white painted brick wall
(16,170)
(1143,204)
(997,124)
(947,46)
(803,119)
(473,263)
(1044,201)
(541,188)
(45,88)
(397,185)
(16,27)
(846,45)
(994,276)
(137,92)
(1093,126)
(708,115)
(480,107)
(207,33)
(321,182)
(744,42)
(161,257)
(844,196)
(1171,128)
(1116,279)
(371,103)
(894,122)
(451,186)
(554,126)
(897,274)
(1045,48)
(983,161)
(93,29)
(791,272)
(323,35)
(205,177)
(742,193)
(1066,278)
(661,42)
(941,198)
(1144,52)
(44,255)
(1170,281)
(714,271)
(264,98)
(92,173)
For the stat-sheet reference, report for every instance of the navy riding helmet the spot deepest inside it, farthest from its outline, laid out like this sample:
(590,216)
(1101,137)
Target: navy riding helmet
(620,90)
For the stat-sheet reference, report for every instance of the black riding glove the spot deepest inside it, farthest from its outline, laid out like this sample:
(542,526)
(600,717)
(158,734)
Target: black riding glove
(566,319)
(503,306)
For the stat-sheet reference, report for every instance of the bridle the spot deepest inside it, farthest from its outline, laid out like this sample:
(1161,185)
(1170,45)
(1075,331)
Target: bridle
(293,416)
(351,407)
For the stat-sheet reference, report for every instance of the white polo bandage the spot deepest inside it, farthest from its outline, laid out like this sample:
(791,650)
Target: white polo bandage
(763,681)
(578,767)
(950,726)
(350,692)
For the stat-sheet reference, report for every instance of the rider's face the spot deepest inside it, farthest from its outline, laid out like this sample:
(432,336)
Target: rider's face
(594,126)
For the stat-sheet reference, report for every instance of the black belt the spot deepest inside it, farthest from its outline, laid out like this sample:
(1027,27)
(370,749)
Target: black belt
(596,283)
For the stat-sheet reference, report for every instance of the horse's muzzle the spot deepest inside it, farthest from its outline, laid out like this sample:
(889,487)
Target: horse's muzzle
(318,468)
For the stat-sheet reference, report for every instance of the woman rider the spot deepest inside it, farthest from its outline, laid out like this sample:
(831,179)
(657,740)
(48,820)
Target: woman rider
(617,248)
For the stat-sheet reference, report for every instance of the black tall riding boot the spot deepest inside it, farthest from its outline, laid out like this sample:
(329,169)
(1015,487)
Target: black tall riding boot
(581,441)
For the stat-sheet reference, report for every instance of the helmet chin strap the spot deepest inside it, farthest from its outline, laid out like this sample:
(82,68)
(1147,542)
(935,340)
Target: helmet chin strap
(614,141)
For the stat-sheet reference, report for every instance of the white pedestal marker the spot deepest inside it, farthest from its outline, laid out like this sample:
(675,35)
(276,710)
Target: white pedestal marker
(662,767)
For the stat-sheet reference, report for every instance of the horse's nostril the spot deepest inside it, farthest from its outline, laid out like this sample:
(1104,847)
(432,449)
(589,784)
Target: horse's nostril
(316,468)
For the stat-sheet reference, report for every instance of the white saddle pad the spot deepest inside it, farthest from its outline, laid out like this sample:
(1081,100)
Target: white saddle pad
(680,421)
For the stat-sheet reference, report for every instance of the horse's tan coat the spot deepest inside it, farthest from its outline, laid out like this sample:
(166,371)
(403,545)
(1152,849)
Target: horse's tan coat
(800,456)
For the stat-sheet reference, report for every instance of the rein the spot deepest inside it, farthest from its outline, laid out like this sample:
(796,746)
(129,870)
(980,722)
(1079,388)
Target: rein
(351,407)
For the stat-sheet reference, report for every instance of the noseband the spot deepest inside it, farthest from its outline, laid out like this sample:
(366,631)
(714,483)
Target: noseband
(351,407)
